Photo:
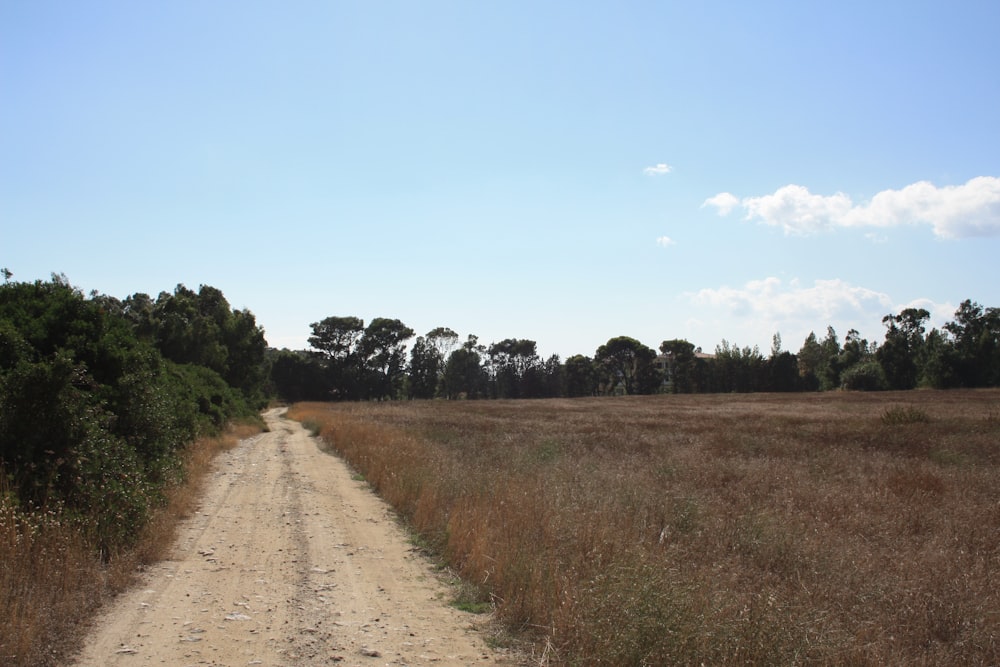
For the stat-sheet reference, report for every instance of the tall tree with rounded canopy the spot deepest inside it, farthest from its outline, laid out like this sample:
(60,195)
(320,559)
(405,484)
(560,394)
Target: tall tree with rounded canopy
(581,376)
(681,362)
(383,347)
(627,361)
(427,359)
(336,339)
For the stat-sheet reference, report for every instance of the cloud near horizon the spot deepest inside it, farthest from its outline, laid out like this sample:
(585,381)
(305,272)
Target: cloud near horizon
(758,309)
(954,211)
(665,241)
(770,298)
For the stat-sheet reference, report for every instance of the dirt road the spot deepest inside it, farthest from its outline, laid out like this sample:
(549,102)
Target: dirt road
(291,562)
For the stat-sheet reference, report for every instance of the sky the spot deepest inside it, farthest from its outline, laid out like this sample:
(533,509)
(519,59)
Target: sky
(565,172)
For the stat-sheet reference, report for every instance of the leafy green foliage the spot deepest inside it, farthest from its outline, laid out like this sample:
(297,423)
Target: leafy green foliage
(907,414)
(581,376)
(866,376)
(383,349)
(298,376)
(976,335)
(738,369)
(464,376)
(628,365)
(93,417)
(902,351)
(426,367)
(512,366)
(201,328)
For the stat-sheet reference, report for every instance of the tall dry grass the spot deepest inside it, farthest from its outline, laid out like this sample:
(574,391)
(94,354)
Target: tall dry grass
(52,581)
(830,528)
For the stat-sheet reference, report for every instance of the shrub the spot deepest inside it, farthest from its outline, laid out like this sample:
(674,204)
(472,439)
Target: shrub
(867,376)
(907,414)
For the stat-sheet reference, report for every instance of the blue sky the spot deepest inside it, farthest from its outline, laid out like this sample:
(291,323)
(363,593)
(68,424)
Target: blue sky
(565,171)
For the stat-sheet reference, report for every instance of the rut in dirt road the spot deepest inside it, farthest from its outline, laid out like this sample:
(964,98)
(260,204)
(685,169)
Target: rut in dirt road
(288,562)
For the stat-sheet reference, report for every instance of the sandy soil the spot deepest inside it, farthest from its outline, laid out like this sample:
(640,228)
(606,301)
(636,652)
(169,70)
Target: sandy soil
(288,562)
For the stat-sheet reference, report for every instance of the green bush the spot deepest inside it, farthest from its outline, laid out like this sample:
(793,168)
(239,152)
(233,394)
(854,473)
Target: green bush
(904,415)
(867,376)
(70,457)
(92,418)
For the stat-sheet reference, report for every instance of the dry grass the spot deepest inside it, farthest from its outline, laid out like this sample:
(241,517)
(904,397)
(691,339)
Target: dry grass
(52,581)
(832,528)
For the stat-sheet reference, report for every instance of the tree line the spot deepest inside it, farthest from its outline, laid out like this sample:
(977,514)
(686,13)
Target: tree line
(99,396)
(352,361)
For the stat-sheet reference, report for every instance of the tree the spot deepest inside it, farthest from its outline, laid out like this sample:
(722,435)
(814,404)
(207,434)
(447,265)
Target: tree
(817,361)
(425,369)
(383,349)
(201,328)
(901,355)
(681,366)
(187,329)
(427,359)
(976,332)
(626,362)
(854,352)
(91,416)
(941,362)
(510,364)
(581,376)
(810,359)
(782,372)
(738,370)
(551,379)
(444,341)
(298,376)
(463,372)
(139,309)
(829,376)
(337,339)
(865,376)
(246,348)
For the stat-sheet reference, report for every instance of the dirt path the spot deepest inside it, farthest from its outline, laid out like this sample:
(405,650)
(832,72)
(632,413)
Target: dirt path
(289,562)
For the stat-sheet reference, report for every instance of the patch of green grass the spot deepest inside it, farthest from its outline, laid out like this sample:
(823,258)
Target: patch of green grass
(946,457)
(685,518)
(904,414)
(314,427)
(547,451)
(471,599)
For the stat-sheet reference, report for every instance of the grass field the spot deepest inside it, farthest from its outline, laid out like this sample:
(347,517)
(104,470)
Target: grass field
(833,528)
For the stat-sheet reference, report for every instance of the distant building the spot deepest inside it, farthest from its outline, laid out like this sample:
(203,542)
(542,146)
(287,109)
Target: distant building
(662,363)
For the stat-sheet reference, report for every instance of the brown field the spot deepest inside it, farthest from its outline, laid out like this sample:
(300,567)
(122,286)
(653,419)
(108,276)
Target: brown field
(835,528)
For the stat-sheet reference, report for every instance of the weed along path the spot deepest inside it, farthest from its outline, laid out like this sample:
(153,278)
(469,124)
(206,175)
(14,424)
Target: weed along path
(289,562)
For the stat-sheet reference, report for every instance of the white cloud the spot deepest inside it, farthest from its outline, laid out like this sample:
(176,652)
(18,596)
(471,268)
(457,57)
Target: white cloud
(770,298)
(955,211)
(725,202)
(752,313)
(797,210)
(665,241)
(658,170)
